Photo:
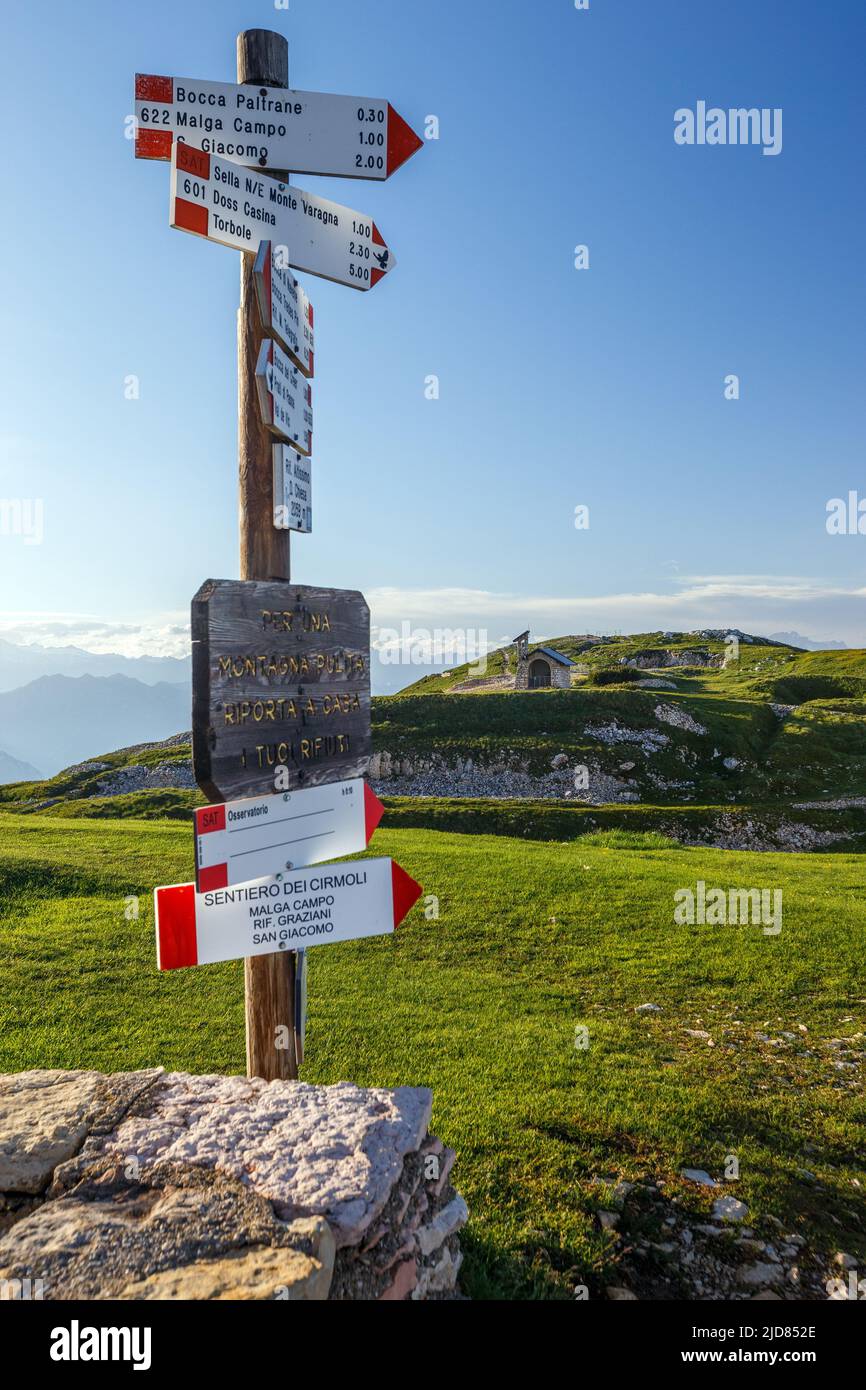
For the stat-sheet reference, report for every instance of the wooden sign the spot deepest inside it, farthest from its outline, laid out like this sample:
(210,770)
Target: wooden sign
(309,907)
(281,681)
(285,397)
(272,128)
(240,208)
(266,835)
(286,312)
(293,501)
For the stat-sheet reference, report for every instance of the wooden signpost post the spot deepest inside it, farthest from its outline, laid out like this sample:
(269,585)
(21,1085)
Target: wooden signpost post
(281,671)
(269,981)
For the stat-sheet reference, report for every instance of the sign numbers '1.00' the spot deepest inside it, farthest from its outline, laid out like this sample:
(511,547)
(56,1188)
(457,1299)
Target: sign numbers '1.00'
(272,128)
(240,208)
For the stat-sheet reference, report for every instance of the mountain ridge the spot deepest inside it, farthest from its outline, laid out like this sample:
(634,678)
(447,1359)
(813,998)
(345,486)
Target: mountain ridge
(54,721)
(21,663)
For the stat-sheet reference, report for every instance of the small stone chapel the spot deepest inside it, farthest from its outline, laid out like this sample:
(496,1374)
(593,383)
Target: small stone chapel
(542,667)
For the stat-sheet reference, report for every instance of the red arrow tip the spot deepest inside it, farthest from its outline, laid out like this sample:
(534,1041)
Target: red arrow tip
(402,141)
(405,892)
(373,812)
(176,941)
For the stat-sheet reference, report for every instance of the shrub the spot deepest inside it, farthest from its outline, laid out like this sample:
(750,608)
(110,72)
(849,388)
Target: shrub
(616,675)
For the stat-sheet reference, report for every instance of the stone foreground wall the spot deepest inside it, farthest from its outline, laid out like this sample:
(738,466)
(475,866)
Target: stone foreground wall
(154,1185)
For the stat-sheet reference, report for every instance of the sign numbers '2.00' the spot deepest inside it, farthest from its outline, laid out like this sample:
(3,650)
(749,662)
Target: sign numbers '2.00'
(372,156)
(272,128)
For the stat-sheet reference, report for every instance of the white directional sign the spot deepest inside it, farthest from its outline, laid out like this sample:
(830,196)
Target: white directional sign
(308,907)
(285,309)
(238,207)
(293,503)
(272,128)
(266,835)
(285,396)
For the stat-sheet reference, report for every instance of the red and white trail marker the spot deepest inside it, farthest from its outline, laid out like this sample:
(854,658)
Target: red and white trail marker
(240,208)
(236,841)
(285,397)
(285,309)
(308,907)
(272,128)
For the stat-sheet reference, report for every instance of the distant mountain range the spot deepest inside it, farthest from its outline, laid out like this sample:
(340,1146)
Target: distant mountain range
(21,664)
(58,720)
(13,770)
(796,639)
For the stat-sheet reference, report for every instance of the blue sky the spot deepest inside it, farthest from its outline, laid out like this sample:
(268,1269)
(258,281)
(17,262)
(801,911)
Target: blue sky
(558,387)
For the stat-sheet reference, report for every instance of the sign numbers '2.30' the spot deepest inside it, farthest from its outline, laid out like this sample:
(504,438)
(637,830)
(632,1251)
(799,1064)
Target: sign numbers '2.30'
(361,250)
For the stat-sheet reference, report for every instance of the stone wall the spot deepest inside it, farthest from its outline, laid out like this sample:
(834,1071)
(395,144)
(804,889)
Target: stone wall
(154,1185)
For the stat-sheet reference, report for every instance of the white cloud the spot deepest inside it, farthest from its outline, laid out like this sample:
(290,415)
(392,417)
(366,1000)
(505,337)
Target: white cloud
(162,635)
(755,603)
(468,619)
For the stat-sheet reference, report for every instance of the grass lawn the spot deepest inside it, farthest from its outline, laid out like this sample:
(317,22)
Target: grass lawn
(533,941)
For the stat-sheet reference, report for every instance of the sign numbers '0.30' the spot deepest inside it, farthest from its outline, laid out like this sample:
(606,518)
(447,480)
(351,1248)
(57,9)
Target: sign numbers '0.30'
(371,139)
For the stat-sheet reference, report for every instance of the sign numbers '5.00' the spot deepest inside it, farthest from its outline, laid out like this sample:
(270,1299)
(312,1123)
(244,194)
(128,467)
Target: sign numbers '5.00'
(360,250)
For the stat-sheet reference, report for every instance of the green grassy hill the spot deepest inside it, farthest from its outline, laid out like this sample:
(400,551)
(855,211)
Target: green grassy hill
(763,734)
(757,1049)
(759,665)
(553,917)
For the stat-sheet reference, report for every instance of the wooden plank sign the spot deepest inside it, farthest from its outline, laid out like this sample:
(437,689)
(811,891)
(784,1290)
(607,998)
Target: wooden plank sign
(238,207)
(272,128)
(308,907)
(285,397)
(281,681)
(286,311)
(293,503)
(240,840)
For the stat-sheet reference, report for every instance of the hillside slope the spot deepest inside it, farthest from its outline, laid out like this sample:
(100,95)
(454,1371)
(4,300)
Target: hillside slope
(754,1044)
(765,751)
